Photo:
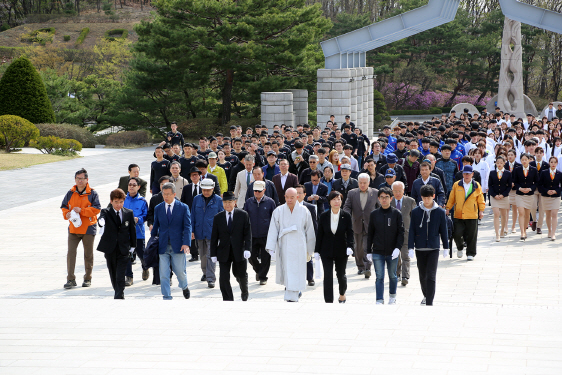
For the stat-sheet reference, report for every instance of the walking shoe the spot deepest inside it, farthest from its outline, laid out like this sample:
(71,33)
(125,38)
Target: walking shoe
(423,302)
(128,281)
(194,259)
(311,283)
(86,283)
(470,257)
(245,296)
(367,274)
(69,284)
(459,253)
(211,284)
(539,231)
(404,281)
(392,301)
(361,272)
(186,293)
(257,277)
(145,274)
(380,302)
(398,277)
(533,225)
(263,282)
(204,278)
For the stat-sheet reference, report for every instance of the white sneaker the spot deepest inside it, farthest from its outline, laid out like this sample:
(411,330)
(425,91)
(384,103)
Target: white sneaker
(423,302)
(392,301)
(380,302)
(470,257)
(459,253)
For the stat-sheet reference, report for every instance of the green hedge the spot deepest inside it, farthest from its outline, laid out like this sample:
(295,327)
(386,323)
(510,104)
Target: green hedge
(68,131)
(110,34)
(16,131)
(66,38)
(83,34)
(37,37)
(56,145)
(128,138)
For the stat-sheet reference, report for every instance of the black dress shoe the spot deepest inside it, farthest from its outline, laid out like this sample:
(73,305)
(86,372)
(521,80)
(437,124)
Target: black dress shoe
(211,284)
(539,231)
(204,278)
(245,296)
(186,293)
(367,274)
(257,277)
(311,283)
(194,259)
(263,282)
(361,272)
(300,294)
(534,226)
(342,301)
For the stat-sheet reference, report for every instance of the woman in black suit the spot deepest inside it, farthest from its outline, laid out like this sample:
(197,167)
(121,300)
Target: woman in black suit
(525,180)
(334,243)
(550,187)
(499,186)
(511,165)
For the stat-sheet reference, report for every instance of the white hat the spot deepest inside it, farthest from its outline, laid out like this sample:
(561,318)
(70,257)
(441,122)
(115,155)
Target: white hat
(259,185)
(75,219)
(207,183)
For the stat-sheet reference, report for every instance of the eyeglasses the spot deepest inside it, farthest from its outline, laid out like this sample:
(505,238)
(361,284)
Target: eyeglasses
(133,185)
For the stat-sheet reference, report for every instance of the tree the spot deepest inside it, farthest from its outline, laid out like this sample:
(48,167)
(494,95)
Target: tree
(236,47)
(23,93)
(16,131)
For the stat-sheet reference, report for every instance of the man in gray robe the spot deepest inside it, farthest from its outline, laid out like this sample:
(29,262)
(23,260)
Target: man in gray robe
(290,240)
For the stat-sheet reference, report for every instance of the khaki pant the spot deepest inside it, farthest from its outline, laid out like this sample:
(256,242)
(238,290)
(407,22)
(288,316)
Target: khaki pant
(403,268)
(361,260)
(88,243)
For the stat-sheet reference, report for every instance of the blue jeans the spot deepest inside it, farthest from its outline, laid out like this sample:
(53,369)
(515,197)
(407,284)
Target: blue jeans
(178,265)
(378,262)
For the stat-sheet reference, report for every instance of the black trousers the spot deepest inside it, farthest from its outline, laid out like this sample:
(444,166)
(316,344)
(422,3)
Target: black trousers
(194,249)
(309,270)
(427,267)
(466,230)
(328,265)
(239,272)
(139,250)
(117,265)
(258,251)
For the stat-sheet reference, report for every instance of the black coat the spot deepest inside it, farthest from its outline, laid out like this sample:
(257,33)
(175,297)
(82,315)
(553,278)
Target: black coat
(333,245)
(386,231)
(187,194)
(312,210)
(520,181)
(155,200)
(239,240)
(498,186)
(338,186)
(546,183)
(117,233)
(321,191)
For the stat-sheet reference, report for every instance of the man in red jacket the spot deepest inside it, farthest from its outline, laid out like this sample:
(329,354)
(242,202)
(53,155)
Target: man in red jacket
(84,201)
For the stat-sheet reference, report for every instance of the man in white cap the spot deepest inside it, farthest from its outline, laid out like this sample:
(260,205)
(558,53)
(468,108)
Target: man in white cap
(289,240)
(203,209)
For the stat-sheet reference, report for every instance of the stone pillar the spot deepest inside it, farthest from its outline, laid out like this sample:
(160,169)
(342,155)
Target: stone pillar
(333,95)
(371,113)
(366,81)
(353,110)
(300,106)
(277,109)
(359,114)
(510,92)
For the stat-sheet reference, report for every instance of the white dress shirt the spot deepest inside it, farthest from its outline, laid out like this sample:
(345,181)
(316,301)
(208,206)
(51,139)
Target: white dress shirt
(284,180)
(334,221)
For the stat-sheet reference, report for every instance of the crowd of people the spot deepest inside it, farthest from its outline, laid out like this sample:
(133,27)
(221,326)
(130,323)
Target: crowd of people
(309,198)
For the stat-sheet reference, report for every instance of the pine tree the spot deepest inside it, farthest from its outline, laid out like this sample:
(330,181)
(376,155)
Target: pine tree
(23,93)
(379,111)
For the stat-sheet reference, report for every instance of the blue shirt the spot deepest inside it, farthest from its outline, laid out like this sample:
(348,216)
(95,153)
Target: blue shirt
(140,209)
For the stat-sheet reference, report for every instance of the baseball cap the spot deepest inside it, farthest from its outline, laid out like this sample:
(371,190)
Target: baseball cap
(391,158)
(346,166)
(467,169)
(390,173)
(207,183)
(259,185)
(212,155)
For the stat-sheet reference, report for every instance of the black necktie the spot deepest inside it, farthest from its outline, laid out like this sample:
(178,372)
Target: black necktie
(229,224)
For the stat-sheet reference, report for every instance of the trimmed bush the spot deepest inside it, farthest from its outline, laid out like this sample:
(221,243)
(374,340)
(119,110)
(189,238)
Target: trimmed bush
(68,131)
(16,131)
(4,27)
(66,38)
(41,36)
(55,145)
(83,34)
(116,34)
(127,138)
(23,93)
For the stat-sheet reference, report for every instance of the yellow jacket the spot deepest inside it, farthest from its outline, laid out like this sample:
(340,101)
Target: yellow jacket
(469,207)
(221,176)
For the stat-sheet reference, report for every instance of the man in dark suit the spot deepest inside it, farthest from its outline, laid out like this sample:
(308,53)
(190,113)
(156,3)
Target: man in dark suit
(405,205)
(231,242)
(270,190)
(155,200)
(312,209)
(360,203)
(284,180)
(134,171)
(172,225)
(345,183)
(118,239)
(316,192)
(187,195)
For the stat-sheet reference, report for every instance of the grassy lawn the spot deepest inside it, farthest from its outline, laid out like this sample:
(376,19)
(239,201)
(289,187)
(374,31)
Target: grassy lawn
(16,161)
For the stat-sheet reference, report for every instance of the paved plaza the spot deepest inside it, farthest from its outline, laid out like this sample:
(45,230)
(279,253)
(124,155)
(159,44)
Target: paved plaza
(499,314)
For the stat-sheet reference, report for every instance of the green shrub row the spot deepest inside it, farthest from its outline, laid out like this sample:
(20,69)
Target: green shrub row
(83,34)
(68,131)
(127,138)
(111,34)
(56,145)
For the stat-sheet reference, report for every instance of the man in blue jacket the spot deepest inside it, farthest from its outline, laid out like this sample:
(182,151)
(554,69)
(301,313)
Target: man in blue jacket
(428,222)
(203,210)
(172,225)
(137,203)
(426,179)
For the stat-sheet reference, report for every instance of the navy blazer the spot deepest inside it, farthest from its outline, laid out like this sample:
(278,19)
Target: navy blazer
(515,165)
(544,165)
(187,194)
(177,232)
(546,183)
(520,181)
(498,186)
(436,183)
(321,191)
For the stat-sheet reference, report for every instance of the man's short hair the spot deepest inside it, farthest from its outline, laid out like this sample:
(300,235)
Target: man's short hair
(348,147)
(300,186)
(315,174)
(170,186)
(135,179)
(321,151)
(201,163)
(385,190)
(131,166)
(312,157)
(425,164)
(81,171)
(163,178)
(175,162)
(117,194)
(249,158)
(427,190)
(398,183)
